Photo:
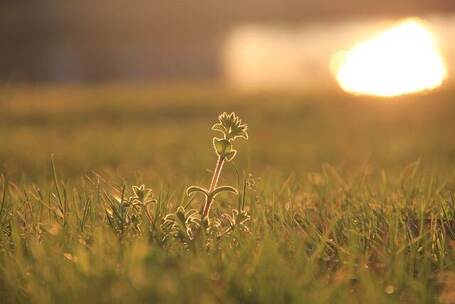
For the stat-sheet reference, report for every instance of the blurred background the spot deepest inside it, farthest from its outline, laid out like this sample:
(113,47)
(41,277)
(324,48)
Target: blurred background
(161,40)
(133,86)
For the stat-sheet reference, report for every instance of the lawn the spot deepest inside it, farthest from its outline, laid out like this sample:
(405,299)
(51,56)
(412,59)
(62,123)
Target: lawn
(346,199)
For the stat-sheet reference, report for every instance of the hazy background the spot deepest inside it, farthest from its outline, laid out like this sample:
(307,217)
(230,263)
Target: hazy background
(99,41)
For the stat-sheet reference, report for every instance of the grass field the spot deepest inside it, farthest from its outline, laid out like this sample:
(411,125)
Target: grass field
(351,199)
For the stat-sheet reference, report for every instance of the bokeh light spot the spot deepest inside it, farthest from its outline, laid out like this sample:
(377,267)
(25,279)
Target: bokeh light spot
(403,59)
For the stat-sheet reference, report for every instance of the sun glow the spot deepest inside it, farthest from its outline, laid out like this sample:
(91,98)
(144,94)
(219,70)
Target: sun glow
(403,59)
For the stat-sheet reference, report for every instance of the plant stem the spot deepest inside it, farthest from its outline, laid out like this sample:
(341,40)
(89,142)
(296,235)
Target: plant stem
(213,183)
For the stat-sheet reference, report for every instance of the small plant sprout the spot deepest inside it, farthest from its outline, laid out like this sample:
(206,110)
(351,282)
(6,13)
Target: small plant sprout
(230,126)
(182,223)
(237,220)
(125,212)
(142,196)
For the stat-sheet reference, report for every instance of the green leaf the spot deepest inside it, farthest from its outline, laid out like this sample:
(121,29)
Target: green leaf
(193,189)
(219,127)
(238,133)
(223,189)
(231,126)
(222,146)
(180,216)
(230,155)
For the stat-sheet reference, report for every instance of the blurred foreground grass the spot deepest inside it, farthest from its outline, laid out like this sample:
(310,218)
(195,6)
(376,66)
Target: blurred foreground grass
(342,210)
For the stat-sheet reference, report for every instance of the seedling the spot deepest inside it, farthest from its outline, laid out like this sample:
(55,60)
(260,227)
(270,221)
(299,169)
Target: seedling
(181,224)
(230,126)
(123,213)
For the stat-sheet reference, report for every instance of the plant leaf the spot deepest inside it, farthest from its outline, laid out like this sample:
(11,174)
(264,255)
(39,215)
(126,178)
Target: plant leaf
(231,126)
(219,127)
(223,189)
(222,146)
(230,155)
(193,189)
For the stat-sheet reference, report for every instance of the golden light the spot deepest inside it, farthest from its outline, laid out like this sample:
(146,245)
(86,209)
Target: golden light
(402,59)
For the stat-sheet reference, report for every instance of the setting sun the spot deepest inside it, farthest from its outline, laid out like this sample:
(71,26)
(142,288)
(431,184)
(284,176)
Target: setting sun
(403,59)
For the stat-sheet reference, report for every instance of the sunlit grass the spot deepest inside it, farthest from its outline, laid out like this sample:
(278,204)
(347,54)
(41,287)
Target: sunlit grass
(374,226)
